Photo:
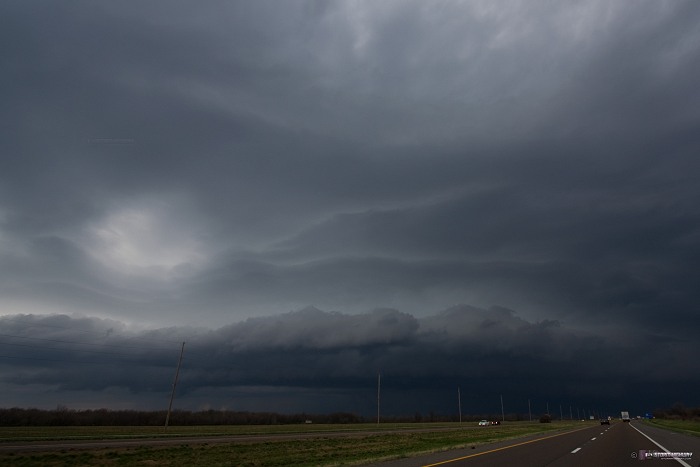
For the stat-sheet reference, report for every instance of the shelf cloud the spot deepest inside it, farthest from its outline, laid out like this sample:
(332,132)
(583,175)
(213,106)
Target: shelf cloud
(310,193)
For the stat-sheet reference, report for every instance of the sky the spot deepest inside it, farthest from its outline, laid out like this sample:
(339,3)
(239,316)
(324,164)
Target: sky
(495,198)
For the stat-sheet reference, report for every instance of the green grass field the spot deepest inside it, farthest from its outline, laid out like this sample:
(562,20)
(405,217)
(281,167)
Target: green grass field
(691,427)
(321,451)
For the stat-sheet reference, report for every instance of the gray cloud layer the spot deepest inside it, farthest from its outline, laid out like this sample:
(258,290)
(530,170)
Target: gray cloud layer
(422,360)
(188,165)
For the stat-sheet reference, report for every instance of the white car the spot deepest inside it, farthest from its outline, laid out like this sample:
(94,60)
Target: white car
(484,423)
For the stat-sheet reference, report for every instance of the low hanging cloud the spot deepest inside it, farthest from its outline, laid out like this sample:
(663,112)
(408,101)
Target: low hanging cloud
(311,328)
(317,351)
(194,172)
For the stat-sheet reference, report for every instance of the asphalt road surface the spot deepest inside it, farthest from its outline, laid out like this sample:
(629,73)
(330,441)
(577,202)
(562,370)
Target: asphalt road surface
(619,444)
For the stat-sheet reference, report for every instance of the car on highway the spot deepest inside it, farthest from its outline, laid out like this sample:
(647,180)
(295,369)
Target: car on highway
(604,421)
(484,423)
(495,422)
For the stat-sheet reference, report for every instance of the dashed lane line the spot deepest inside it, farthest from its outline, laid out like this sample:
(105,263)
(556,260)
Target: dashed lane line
(503,448)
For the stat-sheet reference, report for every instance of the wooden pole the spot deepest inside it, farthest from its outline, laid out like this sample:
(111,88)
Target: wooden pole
(379,390)
(459,404)
(172,394)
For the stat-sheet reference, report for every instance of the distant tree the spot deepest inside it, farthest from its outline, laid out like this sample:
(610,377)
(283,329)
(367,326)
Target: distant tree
(679,411)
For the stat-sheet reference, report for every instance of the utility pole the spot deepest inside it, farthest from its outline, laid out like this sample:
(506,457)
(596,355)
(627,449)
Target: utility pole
(459,404)
(503,413)
(172,395)
(529,410)
(379,391)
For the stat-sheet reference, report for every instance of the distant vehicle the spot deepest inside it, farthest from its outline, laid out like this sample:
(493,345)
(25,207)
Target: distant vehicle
(495,422)
(484,423)
(604,421)
(625,416)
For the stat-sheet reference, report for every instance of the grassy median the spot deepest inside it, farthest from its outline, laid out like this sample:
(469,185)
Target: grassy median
(690,427)
(361,448)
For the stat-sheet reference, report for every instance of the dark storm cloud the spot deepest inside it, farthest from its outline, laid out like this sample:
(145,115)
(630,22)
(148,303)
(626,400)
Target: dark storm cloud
(199,165)
(340,355)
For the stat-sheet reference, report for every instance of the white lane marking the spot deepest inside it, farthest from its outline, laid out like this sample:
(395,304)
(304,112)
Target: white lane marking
(575,450)
(680,461)
(592,439)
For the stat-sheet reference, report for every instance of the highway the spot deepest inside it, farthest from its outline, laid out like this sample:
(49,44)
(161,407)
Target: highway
(619,444)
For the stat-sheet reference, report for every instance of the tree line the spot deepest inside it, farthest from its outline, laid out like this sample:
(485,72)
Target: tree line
(63,416)
(678,412)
